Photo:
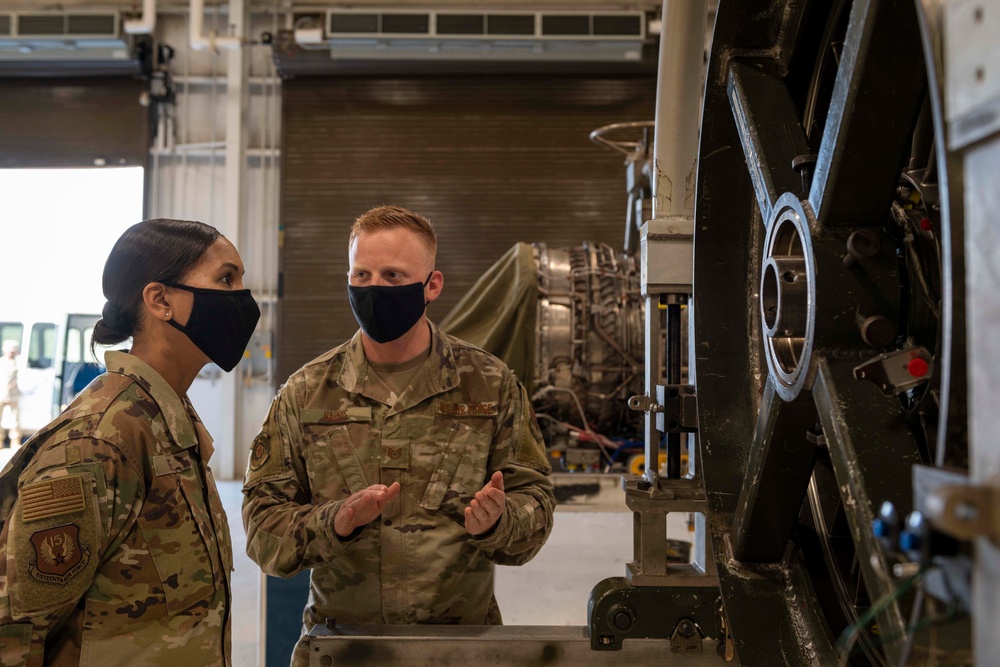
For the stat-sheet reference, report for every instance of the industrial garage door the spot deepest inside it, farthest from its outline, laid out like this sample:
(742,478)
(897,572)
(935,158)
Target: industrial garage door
(79,122)
(490,160)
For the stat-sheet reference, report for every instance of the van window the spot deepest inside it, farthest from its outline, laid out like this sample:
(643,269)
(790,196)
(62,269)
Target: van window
(74,346)
(42,348)
(11,331)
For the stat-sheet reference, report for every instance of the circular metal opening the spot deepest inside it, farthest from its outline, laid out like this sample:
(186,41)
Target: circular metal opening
(784,299)
(769,298)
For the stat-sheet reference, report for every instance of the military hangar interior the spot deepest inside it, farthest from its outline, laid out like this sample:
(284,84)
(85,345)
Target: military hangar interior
(787,306)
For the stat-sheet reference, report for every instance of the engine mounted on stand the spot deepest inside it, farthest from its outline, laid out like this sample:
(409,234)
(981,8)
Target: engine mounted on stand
(589,355)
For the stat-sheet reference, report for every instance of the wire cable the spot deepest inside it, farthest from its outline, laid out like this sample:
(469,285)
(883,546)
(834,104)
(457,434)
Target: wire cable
(598,438)
(911,635)
(849,637)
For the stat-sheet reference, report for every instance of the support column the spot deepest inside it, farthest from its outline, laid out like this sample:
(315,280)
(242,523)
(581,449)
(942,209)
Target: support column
(237,75)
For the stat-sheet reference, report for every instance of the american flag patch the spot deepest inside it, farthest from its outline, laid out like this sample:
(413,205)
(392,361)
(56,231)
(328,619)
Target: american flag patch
(53,497)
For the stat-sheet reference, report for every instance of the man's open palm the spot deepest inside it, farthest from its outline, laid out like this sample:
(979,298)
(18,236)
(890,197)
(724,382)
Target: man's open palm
(485,509)
(362,507)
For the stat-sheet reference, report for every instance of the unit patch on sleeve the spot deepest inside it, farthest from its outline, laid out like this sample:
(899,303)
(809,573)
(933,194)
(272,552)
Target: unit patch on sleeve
(59,555)
(53,497)
(259,452)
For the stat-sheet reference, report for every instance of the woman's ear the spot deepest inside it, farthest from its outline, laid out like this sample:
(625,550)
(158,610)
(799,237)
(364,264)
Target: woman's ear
(154,299)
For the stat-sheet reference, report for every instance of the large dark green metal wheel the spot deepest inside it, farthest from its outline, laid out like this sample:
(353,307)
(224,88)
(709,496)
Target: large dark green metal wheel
(828,340)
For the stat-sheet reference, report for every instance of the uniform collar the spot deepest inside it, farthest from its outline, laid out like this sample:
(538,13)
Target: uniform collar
(355,378)
(182,421)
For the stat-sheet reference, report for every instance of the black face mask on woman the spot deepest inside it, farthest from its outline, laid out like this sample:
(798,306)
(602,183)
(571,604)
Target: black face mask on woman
(387,312)
(221,323)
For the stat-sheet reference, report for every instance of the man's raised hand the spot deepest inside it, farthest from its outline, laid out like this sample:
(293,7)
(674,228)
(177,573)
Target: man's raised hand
(362,507)
(485,509)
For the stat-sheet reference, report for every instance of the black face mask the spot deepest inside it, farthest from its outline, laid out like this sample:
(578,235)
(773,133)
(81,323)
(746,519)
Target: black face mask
(385,313)
(221,323)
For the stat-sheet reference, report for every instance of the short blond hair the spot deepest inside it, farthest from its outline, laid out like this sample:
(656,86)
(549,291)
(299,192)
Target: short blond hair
(390,217)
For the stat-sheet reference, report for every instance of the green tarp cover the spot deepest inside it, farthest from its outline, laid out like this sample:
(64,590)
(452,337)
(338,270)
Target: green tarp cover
(500,312)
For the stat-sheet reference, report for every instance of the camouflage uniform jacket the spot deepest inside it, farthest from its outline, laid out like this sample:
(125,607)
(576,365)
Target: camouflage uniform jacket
(334,429)
(114,547)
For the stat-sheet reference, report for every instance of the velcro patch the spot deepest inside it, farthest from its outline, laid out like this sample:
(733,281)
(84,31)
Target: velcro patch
(342,416)
(171,464)
(395,454)
(53,497)
(467,409)
(59,555)
(260,450)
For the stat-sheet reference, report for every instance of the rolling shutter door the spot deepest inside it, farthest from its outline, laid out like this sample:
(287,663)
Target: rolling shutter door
(489,160)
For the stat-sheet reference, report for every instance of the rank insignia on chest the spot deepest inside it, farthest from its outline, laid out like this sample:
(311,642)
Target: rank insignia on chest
(59,555)
(395,454)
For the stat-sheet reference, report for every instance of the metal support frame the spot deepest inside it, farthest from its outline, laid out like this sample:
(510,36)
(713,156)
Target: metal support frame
(619,611)
(973,107)
(804,190)
(658,598)
(514,646)
(237,77)
(666,274)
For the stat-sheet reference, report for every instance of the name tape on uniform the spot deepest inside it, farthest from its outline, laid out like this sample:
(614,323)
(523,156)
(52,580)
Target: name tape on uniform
(467,409)
(355,414)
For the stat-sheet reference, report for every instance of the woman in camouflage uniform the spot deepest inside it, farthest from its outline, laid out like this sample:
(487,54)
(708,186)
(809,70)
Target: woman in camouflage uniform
(114,548)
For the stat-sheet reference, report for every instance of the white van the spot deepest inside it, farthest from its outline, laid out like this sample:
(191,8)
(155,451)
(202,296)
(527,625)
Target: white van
(55,361)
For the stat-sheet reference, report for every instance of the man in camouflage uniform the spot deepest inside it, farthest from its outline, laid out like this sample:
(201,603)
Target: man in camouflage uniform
(397,467)
(114,548)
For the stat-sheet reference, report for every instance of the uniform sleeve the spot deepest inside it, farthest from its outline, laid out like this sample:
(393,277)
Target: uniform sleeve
(519,452)
(67,516)
(286,532)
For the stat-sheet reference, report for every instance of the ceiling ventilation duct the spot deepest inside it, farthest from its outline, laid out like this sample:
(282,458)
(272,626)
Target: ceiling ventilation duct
(66,44)
(345,39)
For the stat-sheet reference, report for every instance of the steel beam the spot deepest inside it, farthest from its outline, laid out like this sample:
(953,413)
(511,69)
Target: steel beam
(486,645)
(770,133)
(867,436)
(876,100)
(781,463)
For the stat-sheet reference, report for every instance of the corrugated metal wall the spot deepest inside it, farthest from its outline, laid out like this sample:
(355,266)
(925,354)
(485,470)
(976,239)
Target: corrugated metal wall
(490,160)
(73,122)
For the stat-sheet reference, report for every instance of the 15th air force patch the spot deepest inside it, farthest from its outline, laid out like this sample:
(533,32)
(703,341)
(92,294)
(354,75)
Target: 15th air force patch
(59,555)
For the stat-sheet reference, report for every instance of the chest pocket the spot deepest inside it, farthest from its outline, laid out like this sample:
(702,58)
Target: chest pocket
(328,438)
(459,469)
(178,531)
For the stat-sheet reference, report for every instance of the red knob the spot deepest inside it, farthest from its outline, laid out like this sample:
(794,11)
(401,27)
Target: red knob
(917,367)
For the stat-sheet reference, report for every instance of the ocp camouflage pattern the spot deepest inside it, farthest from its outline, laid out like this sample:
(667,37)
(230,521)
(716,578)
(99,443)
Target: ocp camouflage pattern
(335,428)
(114,548)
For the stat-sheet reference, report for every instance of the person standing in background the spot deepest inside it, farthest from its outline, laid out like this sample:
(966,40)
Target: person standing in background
(9,395)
